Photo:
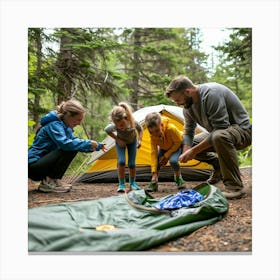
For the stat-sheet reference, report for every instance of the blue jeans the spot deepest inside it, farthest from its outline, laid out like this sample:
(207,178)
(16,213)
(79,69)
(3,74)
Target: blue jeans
(173,160)
(131,150)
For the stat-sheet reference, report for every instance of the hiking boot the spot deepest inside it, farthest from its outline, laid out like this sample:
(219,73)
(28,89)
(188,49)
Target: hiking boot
(215,177)
(180,183)
(152,187)
(121,188)
(231,193)
(134,186)
(53,186)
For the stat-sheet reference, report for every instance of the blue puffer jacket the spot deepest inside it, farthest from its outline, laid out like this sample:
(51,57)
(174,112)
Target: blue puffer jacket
(54,134)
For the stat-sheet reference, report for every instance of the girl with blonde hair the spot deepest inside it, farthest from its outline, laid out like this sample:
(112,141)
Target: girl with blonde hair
(55,146)
(128,135)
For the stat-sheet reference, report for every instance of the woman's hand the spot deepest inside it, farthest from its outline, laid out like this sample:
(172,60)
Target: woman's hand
(97,146)
(103,147)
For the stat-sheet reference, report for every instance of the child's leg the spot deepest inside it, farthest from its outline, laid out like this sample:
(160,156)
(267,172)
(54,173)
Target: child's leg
(121,173)
(153,186)
(121,167)
(131,149)
(174,162)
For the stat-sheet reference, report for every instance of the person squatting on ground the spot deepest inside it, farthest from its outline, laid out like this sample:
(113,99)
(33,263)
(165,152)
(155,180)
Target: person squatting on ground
(128,136)
(216,108)
(166,145)
(55,146)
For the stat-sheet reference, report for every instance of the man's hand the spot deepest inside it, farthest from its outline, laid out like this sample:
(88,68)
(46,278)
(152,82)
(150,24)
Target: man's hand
(187,155)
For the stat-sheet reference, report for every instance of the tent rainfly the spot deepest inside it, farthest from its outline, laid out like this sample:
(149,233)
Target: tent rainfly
(103,167)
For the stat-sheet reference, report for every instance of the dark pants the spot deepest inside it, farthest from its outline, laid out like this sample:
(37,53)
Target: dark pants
(53,165)
(226,142)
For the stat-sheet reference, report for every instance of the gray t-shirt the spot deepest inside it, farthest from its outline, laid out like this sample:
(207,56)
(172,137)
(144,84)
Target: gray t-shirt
(218,108)
(128,135)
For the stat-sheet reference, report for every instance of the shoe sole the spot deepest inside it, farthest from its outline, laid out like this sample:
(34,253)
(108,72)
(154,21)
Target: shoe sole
(236,195)
(149,190)
(136,189)
(52,191)
(213,182)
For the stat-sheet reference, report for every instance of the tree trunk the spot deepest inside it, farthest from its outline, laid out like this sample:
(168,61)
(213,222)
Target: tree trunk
(136,67)
(65,65)
(39,55)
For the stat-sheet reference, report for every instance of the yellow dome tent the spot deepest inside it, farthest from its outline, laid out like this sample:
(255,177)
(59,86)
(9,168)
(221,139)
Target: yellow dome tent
(104,164)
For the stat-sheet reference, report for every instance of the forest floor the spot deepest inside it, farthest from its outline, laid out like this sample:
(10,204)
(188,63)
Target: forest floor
(232,234)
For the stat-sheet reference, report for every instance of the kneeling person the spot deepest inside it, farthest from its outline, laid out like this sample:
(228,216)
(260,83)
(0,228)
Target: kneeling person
(166,145)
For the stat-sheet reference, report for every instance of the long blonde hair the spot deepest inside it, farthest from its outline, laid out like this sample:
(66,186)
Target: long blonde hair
(122,111)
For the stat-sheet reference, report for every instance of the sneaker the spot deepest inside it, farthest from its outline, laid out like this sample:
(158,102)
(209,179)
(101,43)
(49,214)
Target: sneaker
(215,177)
(121,188)
(134,186)
(152,187)
(234,194)
(180,183)
(52,186)
(60,184)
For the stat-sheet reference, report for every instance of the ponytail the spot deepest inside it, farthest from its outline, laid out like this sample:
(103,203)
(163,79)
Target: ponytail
(128,113)
(122,111)
(72,106)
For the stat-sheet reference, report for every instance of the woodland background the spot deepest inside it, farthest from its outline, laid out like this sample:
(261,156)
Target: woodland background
(103,66)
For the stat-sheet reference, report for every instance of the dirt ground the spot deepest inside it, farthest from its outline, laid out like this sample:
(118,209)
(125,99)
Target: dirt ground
(232,234)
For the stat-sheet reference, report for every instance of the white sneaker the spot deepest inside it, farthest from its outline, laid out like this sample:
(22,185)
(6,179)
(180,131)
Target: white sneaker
(53,186)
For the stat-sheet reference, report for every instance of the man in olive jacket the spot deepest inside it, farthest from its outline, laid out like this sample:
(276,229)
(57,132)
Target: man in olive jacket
(216,108)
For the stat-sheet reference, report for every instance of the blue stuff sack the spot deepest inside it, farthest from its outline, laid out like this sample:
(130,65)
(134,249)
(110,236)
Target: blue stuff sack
(183,198)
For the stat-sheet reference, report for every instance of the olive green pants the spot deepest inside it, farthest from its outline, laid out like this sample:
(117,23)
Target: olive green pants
(223,153)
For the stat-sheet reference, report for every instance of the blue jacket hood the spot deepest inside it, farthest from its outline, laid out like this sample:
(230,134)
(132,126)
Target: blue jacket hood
(50,117)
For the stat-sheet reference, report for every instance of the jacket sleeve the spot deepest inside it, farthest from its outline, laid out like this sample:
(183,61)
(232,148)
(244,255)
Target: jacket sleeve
(189,129)
(217,111)
(154,156)
(65,142)
(176,138)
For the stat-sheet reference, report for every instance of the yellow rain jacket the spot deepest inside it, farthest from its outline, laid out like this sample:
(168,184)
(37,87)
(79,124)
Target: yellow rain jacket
(170,141)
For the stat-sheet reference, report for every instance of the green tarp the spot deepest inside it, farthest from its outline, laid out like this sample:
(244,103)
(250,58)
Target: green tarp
(73,227)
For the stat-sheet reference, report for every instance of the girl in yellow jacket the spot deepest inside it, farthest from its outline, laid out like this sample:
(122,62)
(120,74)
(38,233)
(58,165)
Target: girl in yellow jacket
(166,145)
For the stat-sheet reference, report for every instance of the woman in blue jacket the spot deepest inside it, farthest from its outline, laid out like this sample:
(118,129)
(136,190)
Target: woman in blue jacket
(55,146)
